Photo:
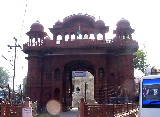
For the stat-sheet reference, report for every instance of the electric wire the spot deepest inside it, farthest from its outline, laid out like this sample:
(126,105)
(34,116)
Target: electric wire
(23,20)
(25,11)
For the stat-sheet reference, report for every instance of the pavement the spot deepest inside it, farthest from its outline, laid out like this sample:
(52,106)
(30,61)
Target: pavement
(72,113)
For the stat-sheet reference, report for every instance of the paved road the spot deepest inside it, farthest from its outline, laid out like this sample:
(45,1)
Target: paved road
(71,113)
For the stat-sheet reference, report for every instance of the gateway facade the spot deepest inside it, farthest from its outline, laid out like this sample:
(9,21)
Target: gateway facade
(76,46)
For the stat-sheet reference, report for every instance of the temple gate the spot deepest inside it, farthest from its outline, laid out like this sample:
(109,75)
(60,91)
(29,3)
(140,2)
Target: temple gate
(76,46)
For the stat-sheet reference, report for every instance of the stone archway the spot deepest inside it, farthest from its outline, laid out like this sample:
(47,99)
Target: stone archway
(110,61)
(77,65)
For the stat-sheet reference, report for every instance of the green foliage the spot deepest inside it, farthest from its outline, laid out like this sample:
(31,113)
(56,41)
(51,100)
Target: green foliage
(4,77)
(140,60)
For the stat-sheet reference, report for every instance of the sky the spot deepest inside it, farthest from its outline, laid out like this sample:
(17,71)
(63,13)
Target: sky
(18,15)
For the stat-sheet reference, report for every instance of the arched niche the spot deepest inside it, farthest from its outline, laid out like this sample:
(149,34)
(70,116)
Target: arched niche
(59,38)
(85,35)
(91,36)
(66,35)
(57,74)
(101,74)
(79,36)
(72,36)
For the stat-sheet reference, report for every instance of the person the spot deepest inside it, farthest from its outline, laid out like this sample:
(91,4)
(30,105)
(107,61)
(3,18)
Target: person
(158,93)
(137,97)
(151,95)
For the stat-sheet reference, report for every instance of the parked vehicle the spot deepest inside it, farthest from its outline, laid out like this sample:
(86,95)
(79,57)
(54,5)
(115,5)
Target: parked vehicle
(149,98)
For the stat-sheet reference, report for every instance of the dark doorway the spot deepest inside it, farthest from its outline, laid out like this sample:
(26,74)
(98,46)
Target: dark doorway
(57,94)
(78,65)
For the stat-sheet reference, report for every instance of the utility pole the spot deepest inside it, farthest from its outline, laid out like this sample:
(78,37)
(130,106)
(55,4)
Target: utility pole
(15,56)
(85,91)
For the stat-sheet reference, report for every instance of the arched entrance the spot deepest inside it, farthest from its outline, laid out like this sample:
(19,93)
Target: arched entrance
(77,65)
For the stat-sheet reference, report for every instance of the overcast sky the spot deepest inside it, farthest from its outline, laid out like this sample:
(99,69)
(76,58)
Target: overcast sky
(143,16)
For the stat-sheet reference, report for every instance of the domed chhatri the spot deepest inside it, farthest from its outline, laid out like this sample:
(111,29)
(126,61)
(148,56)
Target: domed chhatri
(123,23)
(37,27)
(100,23)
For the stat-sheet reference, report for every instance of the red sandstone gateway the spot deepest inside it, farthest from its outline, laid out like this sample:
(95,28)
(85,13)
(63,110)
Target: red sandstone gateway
(51,60)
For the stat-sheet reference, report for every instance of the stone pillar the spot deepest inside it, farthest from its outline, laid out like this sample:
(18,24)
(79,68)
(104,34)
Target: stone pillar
(126,74)
(82,108)
(104,37)
(63,38)
(82,36)
(41,40)
(88,36)
(69,37)
(95,35)
(96,85)
(29,41)
(55,38)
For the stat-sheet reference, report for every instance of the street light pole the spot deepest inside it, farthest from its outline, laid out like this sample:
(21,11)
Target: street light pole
(15,56)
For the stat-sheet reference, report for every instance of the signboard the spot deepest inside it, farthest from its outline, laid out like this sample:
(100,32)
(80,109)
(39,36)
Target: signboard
(27,112)
(78,73)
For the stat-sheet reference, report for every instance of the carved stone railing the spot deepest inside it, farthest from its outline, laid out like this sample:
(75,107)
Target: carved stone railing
(107,110)
(15,110)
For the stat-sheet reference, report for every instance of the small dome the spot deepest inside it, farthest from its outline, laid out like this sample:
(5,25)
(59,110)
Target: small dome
(100,23)
(58,23)
(47,38)
(123,23)
(37,27)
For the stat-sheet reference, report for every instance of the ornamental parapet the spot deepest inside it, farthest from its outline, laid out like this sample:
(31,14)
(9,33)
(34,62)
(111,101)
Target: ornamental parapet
(66,19)
(75,42)
(125,45)
(27,46)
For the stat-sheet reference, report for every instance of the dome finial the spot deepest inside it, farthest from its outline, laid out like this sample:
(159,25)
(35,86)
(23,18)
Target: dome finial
(37,21)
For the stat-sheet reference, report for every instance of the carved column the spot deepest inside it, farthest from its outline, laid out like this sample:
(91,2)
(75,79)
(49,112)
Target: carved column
(88,36)
(126,73)
(63,37)
(69,37)
(103,36)
(29,41)
(55,38)
(75,36)
(82,36)
(95,35)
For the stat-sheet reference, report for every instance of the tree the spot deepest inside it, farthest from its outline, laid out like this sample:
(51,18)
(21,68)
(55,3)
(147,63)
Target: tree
(140,60)
(4,77)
